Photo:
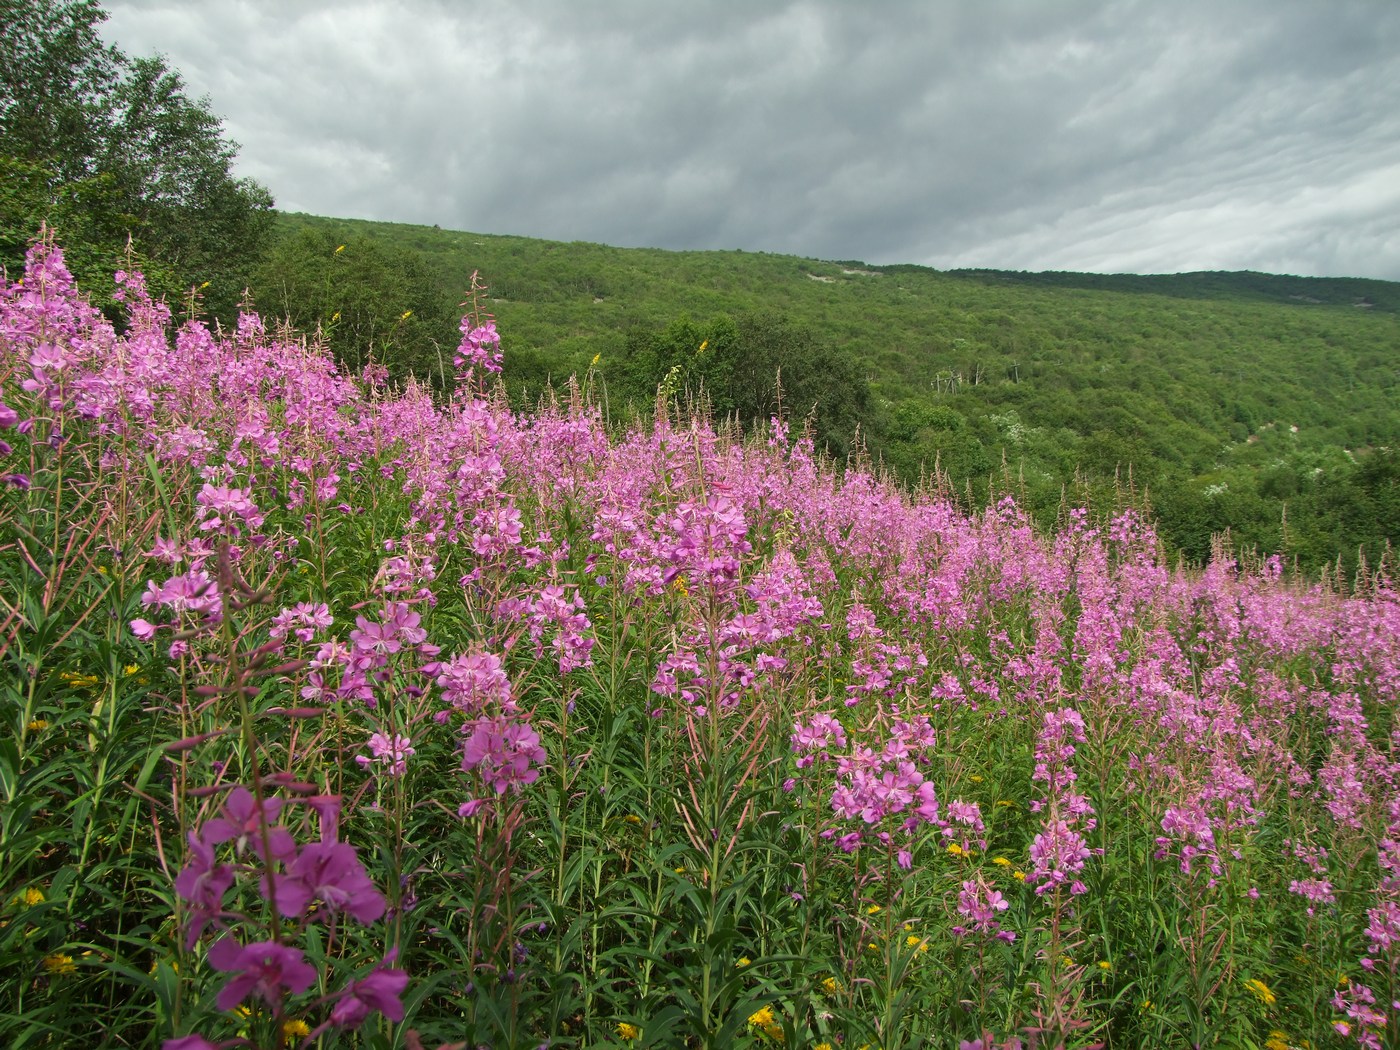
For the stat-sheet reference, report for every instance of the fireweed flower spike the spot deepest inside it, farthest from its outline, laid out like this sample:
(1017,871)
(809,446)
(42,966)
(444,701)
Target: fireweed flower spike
(243,824)
(265,969)
(329,872)
(390,753)
(379,991)
(202,884)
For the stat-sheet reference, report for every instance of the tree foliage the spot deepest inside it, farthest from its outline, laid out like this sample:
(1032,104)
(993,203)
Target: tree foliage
(750,368)
(373,301)
(104,147)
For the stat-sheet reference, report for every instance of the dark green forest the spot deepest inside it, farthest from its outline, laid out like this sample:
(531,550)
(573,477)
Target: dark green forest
(1254,409)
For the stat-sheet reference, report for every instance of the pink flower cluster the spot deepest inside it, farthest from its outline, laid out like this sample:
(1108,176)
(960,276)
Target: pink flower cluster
(480,347)
(501,749)
(981,905)
(315,882)
(886,791)
(1059,850)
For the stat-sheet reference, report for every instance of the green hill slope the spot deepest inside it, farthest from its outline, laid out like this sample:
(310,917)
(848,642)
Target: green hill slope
(1261,404)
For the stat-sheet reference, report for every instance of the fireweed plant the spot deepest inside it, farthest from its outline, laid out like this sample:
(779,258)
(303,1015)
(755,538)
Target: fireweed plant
(338,715)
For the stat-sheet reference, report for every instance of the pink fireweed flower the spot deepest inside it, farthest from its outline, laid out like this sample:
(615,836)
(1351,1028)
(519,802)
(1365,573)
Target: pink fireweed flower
(552,606)
(381,639)
(474,683)
(380,991)
(980,904)
(218,505)
(707,542)
(811,741)
(392,752)
(480,347)
(193,592)
(242,822)
(1358,1002)
(1383,930)
(503,752)
(302,620)
(1057,854)
(202,884)
(171,552)
(264,969)
(1189,826)
(329,872)
(1316,891)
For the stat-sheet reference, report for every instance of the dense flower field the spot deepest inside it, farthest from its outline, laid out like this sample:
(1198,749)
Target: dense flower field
(337,716)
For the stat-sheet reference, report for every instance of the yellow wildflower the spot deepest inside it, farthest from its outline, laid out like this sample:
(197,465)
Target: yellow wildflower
(1004,802)
(596,359)
(204,286)
(339,249)
(628,1032)
(37,725)
(976,778)
(1146,1005)
(831,986)
(1001,862)
(131,669)
(59,964)
(823,1046)
(79,681)
(702,346)
(405,315)
(1260,991)
(335,316)
(30,897)
(744,960)
(915,941)
(1277,1041)
(955,849)
(763,1020)
(297,1029)
(632,818)
(874,909)
(1019,876)
(1105,965)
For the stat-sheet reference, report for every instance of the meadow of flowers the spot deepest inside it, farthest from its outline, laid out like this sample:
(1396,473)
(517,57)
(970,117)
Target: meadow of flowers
(336,714)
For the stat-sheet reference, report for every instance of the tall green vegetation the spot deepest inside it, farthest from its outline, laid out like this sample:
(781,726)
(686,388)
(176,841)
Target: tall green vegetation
(1246,404)
(103,147)
(749,369)
(338,716)
(374,301)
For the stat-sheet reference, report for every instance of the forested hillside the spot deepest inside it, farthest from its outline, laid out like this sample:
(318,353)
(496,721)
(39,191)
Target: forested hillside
(1264,405)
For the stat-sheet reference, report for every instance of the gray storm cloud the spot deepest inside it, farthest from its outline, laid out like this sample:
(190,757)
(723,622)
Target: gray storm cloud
(1107,136)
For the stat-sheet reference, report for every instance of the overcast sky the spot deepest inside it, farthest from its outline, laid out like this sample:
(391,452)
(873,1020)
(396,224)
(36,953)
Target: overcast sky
(1103,135)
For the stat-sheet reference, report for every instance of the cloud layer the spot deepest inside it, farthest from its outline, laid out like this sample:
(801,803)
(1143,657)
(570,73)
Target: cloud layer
(1101,135)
